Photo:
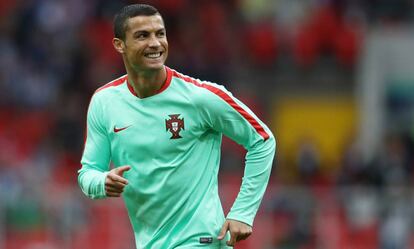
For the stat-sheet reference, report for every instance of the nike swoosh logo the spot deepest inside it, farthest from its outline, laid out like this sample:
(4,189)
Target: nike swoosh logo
(120,129)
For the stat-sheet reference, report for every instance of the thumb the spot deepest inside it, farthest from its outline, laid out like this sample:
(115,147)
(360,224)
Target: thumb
(223,230)
(121,170)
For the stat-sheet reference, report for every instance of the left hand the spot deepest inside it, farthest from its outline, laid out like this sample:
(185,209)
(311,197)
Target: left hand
(238,231)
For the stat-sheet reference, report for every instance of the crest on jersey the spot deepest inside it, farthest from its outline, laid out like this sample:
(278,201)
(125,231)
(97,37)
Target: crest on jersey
(174,125)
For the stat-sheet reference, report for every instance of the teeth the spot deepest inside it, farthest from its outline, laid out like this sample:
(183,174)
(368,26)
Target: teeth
(154,55)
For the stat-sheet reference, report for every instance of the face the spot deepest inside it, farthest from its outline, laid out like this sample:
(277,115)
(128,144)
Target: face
(145,46)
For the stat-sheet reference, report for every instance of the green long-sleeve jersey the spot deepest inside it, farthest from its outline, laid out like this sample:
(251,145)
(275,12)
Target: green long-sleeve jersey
(172,142)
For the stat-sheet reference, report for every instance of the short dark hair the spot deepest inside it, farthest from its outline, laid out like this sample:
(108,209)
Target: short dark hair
(131,11)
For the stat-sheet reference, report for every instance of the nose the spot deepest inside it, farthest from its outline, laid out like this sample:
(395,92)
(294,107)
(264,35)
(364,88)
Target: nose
(154,42)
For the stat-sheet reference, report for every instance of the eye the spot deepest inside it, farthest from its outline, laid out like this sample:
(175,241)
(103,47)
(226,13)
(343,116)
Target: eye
(161,34)
(140,35)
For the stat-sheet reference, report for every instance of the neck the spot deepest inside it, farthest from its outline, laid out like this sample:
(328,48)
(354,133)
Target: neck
(147,83)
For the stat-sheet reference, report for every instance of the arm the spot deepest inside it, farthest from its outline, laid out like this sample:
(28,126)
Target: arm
(226,114)
(96,154)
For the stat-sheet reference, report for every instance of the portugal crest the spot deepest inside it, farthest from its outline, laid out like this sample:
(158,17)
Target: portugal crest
(174,125)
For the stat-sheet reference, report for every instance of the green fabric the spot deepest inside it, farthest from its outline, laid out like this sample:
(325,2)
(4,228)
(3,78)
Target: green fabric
(172,196)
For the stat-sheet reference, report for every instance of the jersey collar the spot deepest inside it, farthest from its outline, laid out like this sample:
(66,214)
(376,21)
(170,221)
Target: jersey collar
(166,84)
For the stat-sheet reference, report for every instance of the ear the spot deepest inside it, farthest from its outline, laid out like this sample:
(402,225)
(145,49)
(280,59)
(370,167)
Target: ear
(119,45)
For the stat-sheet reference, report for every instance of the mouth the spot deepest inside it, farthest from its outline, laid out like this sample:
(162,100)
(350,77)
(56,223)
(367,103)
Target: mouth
(153,55)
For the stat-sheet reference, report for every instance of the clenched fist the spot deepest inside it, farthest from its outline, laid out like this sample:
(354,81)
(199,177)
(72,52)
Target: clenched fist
(238,231)
(115,182)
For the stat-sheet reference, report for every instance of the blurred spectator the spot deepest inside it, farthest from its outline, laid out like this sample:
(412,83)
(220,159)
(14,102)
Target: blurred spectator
(54,54)
(308,161)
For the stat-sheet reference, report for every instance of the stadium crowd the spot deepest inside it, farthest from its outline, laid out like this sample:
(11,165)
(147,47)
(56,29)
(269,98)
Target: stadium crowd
(56,53)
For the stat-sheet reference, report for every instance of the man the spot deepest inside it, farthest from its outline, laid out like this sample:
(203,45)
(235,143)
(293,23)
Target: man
(162,131)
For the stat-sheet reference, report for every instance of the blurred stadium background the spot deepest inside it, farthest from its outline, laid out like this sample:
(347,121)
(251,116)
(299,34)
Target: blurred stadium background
(333,79)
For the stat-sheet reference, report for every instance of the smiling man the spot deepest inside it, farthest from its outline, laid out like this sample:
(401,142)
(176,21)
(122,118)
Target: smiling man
(162,131)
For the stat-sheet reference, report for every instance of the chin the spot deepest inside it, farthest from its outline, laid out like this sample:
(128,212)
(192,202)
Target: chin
(157,66)
(150,65)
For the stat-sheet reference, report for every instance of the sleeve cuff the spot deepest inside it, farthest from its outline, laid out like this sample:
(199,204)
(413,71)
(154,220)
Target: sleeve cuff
(240,219)
(103,184)
(100,190)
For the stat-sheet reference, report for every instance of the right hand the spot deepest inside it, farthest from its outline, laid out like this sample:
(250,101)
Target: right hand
(115,182)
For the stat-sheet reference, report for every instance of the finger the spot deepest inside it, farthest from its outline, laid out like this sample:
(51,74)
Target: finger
(122,169)
(243,236)
(233,239)
(115,184)
(117,178)
(113,189)
(112,194)
(223,230)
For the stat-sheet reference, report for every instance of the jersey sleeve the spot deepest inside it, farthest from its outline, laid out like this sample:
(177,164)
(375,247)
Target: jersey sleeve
(226,114)
(96,155)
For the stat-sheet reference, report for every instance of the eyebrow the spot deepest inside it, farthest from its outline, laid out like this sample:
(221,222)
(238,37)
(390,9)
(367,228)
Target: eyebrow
(146,31)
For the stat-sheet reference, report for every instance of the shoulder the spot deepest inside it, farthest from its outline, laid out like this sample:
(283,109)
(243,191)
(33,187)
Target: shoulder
(111,86)
(105,92)
(200,88)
